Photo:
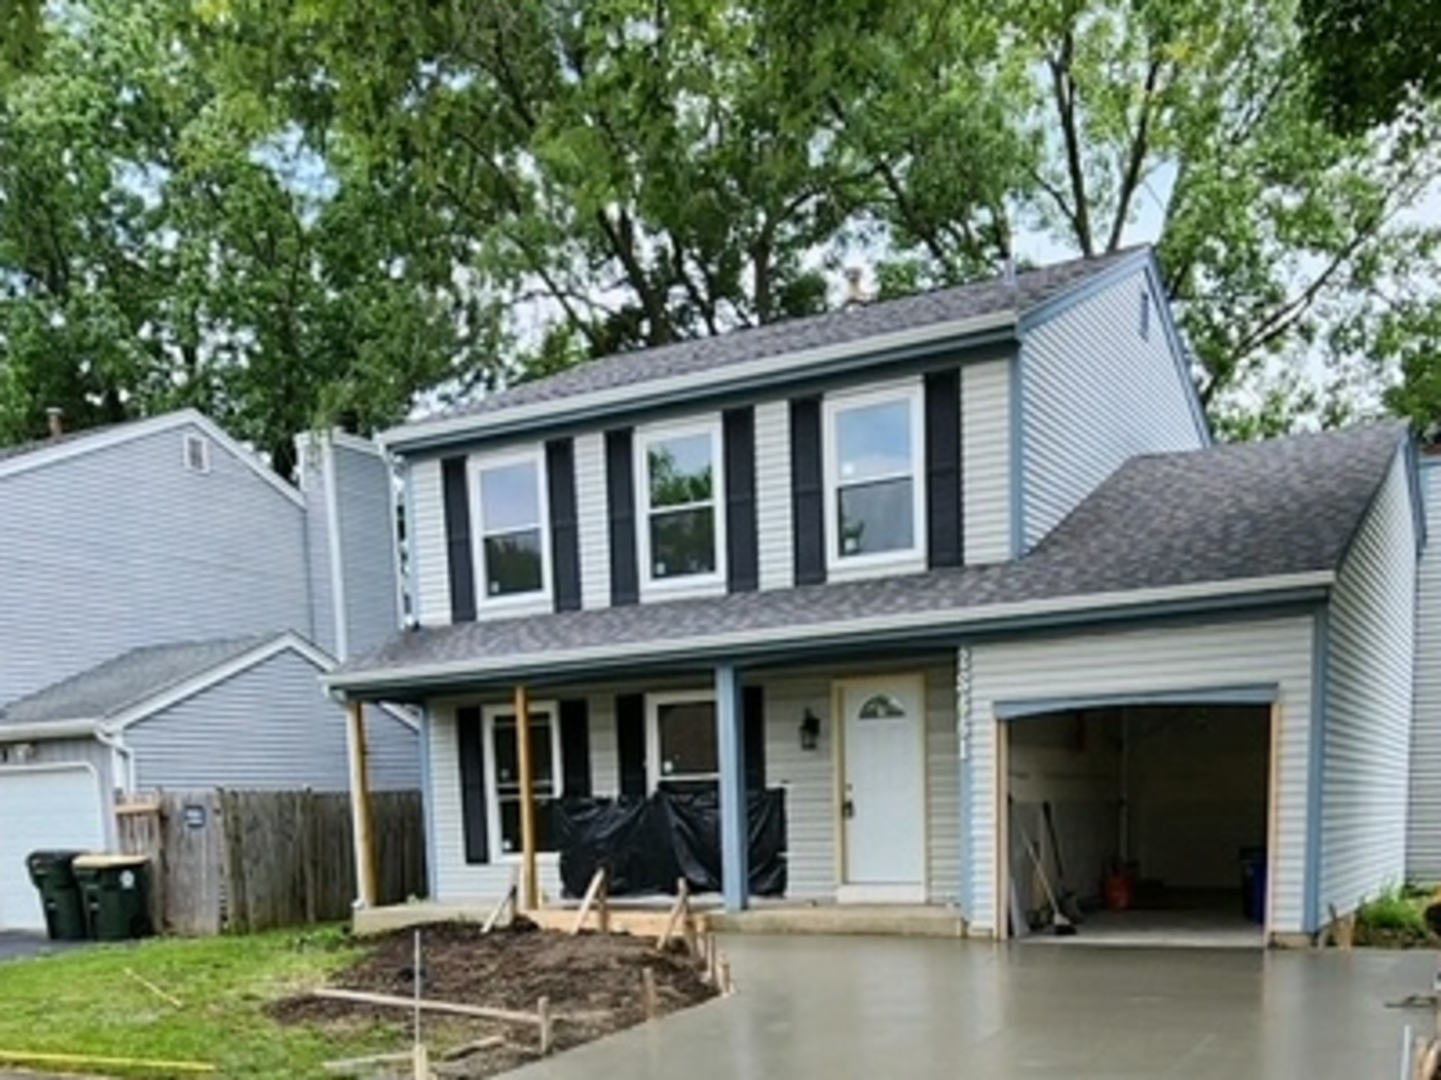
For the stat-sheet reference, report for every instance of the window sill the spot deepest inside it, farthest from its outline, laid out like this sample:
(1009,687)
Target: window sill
(681,588)
(510,606)
(872,566)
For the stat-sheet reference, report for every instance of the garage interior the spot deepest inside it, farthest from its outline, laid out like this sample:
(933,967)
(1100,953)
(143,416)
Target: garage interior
(1159,817)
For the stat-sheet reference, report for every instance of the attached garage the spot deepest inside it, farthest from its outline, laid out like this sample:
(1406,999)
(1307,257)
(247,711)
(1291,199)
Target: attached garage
(1192,731)
(43,807)
(1155,815)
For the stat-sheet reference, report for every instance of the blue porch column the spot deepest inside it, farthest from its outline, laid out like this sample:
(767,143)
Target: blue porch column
(735,829)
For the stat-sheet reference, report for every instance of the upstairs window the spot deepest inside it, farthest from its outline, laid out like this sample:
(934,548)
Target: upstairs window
(681,520)
(510,527)
(873,466)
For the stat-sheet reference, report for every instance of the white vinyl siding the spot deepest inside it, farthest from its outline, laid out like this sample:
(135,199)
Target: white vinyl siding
(808,777)
(986,461)
(604,754)
(1368,703)
(774,523)
(432,566)
(268,727)
(593,512)
(123,546)
(1423,842)
(1156,660)
(369,564)
(943,788)
(1097,393)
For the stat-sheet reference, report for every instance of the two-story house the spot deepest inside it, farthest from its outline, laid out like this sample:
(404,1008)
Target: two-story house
(169,603)
(938,568)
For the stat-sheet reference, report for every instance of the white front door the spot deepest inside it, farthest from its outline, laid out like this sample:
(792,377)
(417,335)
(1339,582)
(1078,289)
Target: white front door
(42,807)
(884,789)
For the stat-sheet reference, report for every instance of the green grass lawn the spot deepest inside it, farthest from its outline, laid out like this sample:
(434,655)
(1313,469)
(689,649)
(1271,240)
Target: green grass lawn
(84,1002)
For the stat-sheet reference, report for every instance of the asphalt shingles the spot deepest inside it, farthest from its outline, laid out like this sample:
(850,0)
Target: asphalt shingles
(125,680)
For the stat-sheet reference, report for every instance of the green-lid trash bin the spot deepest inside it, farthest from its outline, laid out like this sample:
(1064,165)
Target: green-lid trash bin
(53,876)
(116,892)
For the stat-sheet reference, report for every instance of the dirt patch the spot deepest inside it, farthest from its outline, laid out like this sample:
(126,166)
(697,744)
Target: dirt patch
(593,982)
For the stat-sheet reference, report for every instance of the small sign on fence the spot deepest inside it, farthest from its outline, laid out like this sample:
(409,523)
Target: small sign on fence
(195,816)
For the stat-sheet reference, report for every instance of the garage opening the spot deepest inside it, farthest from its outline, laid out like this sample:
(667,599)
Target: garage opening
(1158,824)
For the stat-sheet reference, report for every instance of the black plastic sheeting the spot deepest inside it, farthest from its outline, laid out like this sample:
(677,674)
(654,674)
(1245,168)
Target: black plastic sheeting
(647,845)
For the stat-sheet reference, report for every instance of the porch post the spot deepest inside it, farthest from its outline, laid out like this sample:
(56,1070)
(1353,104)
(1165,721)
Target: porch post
(529,887)
(360,814)
(735,828)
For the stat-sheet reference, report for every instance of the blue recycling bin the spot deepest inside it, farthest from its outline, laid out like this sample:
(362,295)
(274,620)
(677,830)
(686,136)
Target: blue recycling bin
(1253,884)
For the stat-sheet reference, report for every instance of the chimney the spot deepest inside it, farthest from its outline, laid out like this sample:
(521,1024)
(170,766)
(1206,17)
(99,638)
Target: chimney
(55,420)
(855,293)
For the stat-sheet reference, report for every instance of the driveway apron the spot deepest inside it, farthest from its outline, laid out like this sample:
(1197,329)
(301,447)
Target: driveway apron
(902,1008)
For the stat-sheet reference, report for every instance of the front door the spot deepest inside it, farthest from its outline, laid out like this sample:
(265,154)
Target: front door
(883,790)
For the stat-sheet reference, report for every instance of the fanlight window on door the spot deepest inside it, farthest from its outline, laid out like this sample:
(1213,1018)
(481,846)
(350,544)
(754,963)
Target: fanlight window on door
(881,707)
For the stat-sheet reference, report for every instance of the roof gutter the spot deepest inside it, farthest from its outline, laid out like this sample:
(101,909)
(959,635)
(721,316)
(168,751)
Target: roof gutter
(917,626)
(656,392)
(49,729)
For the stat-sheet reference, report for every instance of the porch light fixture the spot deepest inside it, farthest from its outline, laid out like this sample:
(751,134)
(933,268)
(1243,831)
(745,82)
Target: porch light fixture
(810,730)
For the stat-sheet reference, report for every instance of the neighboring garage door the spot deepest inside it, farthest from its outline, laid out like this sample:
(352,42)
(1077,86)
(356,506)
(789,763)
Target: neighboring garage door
(42,806)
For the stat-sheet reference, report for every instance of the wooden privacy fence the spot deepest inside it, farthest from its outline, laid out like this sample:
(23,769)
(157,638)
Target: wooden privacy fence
(254,860)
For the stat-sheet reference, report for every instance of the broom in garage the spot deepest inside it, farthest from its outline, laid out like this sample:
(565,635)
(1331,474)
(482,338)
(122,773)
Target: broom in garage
(1061,926)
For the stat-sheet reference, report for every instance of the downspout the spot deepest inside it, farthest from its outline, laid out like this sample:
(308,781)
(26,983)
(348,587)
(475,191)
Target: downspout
(332,541)
(116,744)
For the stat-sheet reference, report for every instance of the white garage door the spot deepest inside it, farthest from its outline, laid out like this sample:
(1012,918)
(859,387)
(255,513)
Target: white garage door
(42,806)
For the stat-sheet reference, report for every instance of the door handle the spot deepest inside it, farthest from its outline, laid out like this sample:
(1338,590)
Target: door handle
(848,808)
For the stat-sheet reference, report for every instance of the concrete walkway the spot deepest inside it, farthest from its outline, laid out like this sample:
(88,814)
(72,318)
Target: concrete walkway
(894,1008)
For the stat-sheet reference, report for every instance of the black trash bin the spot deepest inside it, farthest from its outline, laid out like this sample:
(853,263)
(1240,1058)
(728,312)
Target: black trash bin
(53,875)
(116,895)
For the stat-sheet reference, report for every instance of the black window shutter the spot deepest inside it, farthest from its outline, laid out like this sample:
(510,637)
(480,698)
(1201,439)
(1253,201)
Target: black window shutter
(943,467)
(630,743)
(575,748)
(808,518)
(620,485)
(738,429)
(564,524)
(472,784)
(753,709)
(459,556)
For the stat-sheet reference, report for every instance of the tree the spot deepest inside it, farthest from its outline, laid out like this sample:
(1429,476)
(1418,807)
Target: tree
(160,246)
(631,172)
(1371,61)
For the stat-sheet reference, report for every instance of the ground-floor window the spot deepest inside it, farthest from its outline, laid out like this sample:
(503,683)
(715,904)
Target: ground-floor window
(681,741)
(502,786)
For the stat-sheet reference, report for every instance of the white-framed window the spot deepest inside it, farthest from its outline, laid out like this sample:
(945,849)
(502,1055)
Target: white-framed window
(680,504)
(502,775)
(681,748)
(512,543)
(875,494)
(196,453)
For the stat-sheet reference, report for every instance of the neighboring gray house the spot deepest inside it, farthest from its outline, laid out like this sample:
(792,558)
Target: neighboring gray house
(170,605)
(928,565)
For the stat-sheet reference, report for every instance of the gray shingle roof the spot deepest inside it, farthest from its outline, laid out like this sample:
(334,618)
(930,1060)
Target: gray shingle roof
(126,680)
(1031,288)
(1285,507)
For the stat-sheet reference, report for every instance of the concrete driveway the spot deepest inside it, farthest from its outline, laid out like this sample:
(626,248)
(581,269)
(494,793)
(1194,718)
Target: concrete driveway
(903,1008)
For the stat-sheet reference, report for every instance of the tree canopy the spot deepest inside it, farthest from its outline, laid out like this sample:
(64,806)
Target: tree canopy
(279,209)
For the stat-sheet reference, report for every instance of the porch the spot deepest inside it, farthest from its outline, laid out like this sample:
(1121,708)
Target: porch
(647,916)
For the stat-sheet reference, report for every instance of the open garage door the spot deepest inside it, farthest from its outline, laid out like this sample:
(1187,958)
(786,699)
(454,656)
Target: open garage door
(1161,819)
(42,806)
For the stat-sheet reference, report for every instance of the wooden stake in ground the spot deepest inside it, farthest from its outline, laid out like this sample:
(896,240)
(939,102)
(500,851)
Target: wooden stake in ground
(594,892)
(506,901)
(678,911)
(87,1061)
(647,984)
(542,1010)
(422,1063)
